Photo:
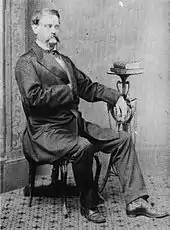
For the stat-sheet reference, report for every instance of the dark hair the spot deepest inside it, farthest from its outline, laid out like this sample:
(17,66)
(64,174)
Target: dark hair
(38,15)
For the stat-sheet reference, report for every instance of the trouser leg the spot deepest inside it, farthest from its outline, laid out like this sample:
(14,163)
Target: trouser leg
(127,165)
(82,156)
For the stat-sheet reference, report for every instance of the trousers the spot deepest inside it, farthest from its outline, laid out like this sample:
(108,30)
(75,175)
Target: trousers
(125,162)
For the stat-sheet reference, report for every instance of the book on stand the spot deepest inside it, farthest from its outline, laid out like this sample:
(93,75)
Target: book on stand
(127,65)
(126,71)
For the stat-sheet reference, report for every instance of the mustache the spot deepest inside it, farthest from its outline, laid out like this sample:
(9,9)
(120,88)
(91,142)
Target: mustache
(56,37)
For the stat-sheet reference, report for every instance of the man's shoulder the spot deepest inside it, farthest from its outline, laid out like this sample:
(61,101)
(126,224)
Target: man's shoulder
(26,57)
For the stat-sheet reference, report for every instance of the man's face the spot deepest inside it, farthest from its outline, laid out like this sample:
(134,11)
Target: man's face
(47,30)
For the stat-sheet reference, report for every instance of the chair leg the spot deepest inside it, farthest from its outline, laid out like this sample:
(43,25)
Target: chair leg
(98,169)
(55,174)
(32,172)
(63,169)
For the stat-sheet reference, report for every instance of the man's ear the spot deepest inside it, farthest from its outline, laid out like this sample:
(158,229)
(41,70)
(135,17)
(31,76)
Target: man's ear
(35,28)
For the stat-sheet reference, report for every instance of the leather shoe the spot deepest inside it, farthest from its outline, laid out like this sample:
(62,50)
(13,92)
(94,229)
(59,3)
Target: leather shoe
(93,215)
(141,207)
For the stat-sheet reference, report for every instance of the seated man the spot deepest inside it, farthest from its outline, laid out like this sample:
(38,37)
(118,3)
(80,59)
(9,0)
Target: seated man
(51,85)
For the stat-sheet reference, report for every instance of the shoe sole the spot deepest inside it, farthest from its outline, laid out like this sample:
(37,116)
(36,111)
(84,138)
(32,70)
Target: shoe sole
(147,215)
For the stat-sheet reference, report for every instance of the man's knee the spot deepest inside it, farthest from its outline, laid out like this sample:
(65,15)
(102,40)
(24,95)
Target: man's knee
(84,144)
(83,152)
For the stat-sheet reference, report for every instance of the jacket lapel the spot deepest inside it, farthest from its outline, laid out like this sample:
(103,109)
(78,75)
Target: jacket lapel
(49,62)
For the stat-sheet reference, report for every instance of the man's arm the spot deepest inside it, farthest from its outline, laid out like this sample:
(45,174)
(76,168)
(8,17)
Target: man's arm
(32,90)
(94,91)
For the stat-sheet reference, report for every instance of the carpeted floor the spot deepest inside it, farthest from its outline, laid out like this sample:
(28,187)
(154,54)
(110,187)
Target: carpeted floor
(46,212)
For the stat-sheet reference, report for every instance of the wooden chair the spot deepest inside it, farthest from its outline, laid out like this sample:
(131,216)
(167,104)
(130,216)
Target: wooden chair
(61,166)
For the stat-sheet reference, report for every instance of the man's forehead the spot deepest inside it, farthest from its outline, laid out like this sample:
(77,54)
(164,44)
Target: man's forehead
(49,19)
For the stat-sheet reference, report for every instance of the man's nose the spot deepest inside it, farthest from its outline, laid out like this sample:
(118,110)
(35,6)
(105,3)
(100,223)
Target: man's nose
(53,30)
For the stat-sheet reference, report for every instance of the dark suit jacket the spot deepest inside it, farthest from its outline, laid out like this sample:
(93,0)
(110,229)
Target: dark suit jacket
(48,101)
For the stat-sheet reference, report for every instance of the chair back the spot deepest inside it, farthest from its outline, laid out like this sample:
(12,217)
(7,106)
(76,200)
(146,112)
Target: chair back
(28,152)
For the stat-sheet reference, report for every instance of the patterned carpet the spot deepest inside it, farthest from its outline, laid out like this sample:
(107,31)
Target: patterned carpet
(46,212)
